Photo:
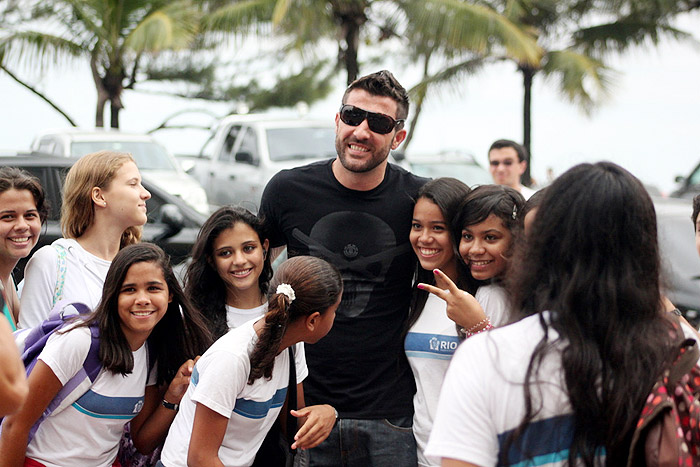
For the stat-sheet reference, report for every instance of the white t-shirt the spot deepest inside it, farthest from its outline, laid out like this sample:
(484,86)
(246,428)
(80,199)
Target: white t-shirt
(84,280)
(526,192)
(220,382)
(88,431)
(494,300)
(429,345)
(482,399)
(237,316)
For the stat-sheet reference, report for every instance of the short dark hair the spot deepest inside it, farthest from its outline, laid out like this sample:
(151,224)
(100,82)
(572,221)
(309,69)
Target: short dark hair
(14,178)
(507,143)
(533,202)
(383,83)
(696,210)
(502,201)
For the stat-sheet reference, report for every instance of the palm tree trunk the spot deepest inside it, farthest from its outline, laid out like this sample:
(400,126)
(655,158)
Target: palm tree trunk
(528,75)
(102,96)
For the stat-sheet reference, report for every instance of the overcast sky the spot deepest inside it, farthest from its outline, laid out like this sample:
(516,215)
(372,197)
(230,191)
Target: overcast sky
(650,124)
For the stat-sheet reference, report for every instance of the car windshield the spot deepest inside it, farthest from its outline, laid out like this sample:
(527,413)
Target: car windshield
(148,155)
(301,143)
(468,173)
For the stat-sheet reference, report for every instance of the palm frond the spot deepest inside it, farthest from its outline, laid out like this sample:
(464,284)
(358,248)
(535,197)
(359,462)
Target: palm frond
(620,35)
(36,48)
(171,27)
(450,75)
(239,16)
(583,80)
(471,27)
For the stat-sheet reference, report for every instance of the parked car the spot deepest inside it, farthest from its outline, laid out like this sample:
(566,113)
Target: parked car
(172,223)
(152,158)
(688,186)
(245,151)
(460,165)
(679,257)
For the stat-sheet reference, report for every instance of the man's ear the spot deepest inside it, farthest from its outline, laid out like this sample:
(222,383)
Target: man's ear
(523,166)
(398,138)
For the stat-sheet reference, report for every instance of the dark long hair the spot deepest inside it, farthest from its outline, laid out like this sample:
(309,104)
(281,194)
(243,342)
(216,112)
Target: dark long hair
(317,285)
(203,285)
(178,336)
(502,201)
(593,260)
(447,193)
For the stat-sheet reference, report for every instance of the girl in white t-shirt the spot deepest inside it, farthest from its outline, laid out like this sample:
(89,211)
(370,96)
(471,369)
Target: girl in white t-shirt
(142,302)
(438,323)
(230,271)
(103,210)
(240,383)
(484,227)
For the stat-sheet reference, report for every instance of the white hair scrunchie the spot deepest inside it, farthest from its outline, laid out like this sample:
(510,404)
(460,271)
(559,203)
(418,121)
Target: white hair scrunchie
(287,290)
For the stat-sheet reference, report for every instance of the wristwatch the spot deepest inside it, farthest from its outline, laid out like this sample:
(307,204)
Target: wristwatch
(170,406)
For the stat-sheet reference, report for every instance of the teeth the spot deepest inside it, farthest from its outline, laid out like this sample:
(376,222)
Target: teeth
(479,263)
(242,273)
(20,239)
(429,251)
(355,147)
(141,313)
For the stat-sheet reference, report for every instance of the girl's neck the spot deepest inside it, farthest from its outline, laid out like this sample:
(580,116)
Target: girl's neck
(101,241)
(244,299)
(450,269)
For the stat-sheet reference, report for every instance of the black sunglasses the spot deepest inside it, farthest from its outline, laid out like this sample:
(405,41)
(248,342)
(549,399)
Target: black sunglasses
(378,123)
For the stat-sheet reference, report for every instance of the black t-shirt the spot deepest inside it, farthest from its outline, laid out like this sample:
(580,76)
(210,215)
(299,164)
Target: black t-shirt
(360,367)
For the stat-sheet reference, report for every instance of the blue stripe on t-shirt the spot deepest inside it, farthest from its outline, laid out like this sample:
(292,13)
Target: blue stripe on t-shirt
(259,409)
(99,406)
(437,346)
(543,442)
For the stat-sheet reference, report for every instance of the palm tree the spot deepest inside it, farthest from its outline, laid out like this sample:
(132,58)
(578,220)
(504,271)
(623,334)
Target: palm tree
(116,36)
(462,37)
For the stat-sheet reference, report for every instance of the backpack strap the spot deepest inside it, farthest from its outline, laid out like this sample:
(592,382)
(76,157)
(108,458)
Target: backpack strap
(60,272)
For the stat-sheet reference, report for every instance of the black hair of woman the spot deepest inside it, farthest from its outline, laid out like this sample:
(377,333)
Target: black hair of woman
(593,260)
(203,285)
(447,193)
(317,286)
(18,179)
(180,335)
(502,201)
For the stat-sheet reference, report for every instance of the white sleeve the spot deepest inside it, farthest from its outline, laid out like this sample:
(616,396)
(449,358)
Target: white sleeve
(220,381)
(65,353)
(463,427)
(38,289)
(494,301)
(300,362)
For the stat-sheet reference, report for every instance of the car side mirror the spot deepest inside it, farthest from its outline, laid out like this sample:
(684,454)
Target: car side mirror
(246,158)
(171,216)
(679,179)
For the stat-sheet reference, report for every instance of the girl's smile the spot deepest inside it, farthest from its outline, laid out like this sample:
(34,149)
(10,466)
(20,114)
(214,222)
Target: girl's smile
(484,247)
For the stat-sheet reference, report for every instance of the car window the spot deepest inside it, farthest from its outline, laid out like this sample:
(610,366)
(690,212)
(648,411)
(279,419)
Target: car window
(249,144)
(229,144)
(147,154)
(287,144)
(694,178)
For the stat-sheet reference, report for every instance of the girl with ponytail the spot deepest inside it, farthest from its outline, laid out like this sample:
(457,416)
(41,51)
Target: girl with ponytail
(239,385)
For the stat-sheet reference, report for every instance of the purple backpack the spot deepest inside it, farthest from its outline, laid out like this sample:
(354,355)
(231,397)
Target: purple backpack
(31,342)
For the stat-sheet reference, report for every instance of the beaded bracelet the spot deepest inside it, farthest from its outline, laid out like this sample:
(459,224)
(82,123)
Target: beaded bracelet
(486,328)
(478,325)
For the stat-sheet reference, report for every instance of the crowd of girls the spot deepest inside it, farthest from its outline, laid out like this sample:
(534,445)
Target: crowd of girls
(586,313)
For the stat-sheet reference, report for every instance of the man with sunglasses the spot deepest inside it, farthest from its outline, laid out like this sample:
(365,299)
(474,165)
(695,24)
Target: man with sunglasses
(355,211)
(507,163)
